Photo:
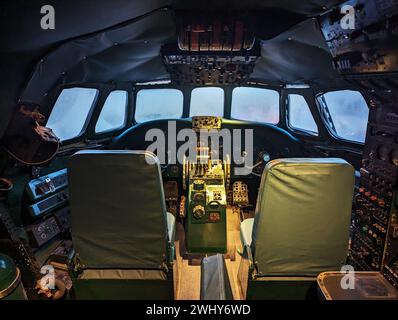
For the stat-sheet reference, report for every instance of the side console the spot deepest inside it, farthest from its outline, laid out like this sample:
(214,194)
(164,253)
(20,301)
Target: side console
(366,54)
(43,238)
(46,218)
(46,211)
(375,226)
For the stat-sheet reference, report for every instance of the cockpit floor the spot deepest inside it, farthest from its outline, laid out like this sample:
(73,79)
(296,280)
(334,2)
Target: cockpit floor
(187,274)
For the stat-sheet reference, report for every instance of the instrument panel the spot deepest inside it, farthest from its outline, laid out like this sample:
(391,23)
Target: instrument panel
(206,123)
(374,243)
(269,142)
(49,204)
(369,45)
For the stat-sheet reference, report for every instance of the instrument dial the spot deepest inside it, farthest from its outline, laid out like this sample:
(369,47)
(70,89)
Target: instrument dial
(199,197)
(198,211)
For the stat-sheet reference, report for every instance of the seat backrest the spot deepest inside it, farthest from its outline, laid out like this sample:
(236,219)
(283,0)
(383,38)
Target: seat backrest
(118,211)
(303,214)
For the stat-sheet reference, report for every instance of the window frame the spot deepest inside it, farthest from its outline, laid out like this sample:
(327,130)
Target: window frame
(101,108)
(300,130)
(325,121)
(138,88)
(86,126)
(258,86)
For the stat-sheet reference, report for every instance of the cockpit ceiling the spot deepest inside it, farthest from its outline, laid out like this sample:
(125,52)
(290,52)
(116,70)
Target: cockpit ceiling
(131,53)
(75,19)
(117,41)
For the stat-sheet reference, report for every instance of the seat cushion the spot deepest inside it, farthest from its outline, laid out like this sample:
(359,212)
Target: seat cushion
(303,215)
(118,211)
(123,274)
(246,229)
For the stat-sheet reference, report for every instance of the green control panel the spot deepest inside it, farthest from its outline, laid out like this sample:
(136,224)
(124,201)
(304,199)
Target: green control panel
(206,211)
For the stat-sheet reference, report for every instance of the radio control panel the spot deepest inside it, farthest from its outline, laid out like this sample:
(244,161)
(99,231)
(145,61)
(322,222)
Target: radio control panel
(41,233)
(40,188)
(49,204)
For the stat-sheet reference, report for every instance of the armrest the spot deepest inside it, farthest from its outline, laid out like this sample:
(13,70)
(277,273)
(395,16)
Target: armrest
(171,227)
(246,230)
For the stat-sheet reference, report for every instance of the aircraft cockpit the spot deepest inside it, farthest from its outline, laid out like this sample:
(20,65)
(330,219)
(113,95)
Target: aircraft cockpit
(171,150)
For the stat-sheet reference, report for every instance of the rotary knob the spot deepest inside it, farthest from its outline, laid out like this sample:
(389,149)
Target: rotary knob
(198,211)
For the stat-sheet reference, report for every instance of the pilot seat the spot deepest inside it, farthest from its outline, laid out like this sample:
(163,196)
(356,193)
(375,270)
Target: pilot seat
(300,229)
(122,234)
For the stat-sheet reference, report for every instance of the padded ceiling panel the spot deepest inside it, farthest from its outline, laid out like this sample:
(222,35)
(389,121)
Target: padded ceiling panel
(21,19)
(299,55)
(127,53)
(304,7)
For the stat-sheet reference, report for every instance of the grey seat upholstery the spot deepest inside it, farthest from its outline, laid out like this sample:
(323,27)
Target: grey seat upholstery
(302,218)
(119,224)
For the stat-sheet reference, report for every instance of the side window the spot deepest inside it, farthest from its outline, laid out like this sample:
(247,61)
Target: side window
(113,113)
(255,104)
(155,104)
(346,114)
(71,111)
(299,114)
(207,101)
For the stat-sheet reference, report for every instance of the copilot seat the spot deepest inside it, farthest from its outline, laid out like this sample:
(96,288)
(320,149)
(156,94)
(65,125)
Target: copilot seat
(122,235)
(300,229)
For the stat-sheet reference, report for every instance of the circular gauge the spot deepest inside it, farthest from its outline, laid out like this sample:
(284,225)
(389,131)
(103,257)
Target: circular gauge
(198,197)
(198,211)
(382,152)
(261,159)
(266,157)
